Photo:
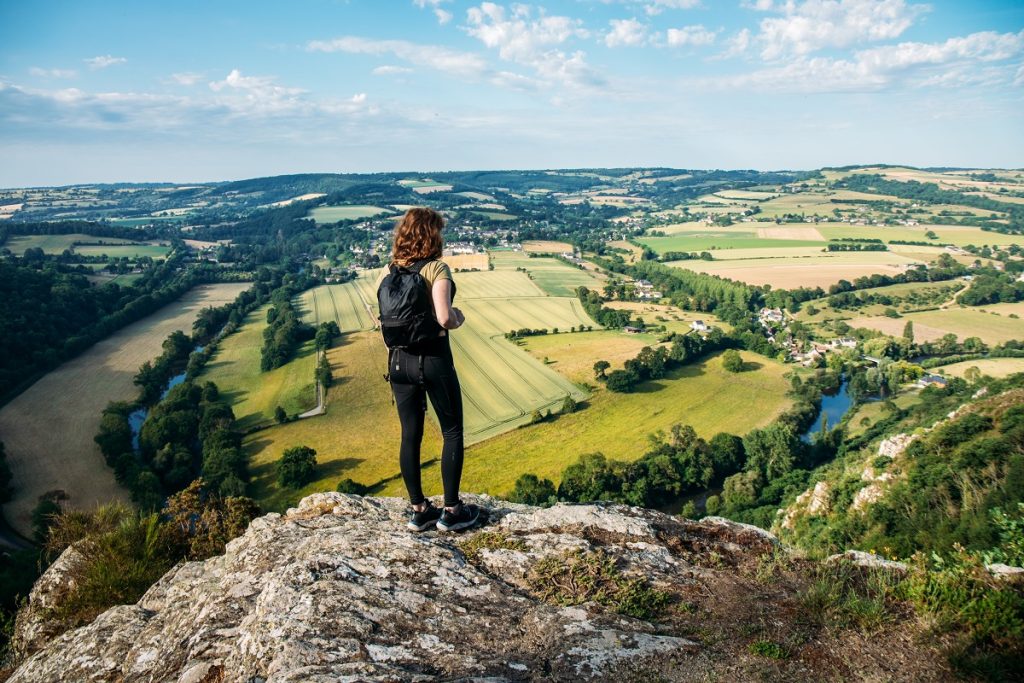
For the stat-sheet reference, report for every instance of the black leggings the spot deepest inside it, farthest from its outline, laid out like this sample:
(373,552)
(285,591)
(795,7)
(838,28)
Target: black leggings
(413,378)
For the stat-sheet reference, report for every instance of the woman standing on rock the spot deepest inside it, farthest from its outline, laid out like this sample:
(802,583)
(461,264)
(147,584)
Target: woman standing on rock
(415,295)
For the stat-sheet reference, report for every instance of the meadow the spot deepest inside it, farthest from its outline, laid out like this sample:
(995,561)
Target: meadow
(993,367)
(43,458)
(618,424)
(546,247)
(731,237)
(124,251)
(963,322)
(54,244)
(787,272)
(333,214)
(255,395)
(552,276)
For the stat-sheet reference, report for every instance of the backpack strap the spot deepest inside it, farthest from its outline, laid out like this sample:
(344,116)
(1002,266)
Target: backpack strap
(418,266)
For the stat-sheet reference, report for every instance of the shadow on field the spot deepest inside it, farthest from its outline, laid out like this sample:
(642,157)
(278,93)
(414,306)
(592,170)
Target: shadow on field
(257,446)
(750,366)
(378,486)
(333,468)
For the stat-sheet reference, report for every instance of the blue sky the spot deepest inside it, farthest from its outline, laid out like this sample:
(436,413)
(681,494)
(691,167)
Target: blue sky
(213,90)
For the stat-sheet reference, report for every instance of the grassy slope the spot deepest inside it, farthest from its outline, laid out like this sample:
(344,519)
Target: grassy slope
(254,394)
(617,424)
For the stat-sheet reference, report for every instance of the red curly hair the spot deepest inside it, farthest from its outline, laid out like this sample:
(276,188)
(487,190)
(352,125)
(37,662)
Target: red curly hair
(418,236)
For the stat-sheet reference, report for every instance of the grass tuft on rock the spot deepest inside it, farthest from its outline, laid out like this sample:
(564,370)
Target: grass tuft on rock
(578,577)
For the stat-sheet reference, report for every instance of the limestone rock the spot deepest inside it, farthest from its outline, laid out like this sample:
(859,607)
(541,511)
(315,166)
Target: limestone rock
(36,624)
(1005,571)
(337,589)
(868,560)
(895,445)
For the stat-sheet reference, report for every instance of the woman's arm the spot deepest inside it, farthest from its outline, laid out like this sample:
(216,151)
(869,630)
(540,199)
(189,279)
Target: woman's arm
(447,317)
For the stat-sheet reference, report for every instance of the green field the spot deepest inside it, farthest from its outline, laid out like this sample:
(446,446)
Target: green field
(552,276)
(124,251)
(617,424)
(341,303)
(494,215)
(254,395)
(724,238)
(145,220)
(870,412)
(333,214)
(54,244)
(948,234)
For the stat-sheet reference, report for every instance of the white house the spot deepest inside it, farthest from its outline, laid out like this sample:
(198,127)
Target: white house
(699,326)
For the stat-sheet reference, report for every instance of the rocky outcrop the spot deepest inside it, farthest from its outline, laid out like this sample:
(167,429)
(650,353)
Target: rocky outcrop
(338,590)
(812,502)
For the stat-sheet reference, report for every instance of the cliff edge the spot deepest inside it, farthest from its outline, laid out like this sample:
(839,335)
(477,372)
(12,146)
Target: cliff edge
(338,590)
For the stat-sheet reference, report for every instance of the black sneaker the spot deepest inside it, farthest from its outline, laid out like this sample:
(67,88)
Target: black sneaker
(421,521)
(467,516)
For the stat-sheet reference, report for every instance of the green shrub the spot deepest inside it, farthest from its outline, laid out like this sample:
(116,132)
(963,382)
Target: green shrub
(296,467)
(767,648)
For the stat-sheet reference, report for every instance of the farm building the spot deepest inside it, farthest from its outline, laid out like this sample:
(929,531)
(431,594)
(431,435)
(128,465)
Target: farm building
(771,315)
(632,330)
(933,381)
(699,326)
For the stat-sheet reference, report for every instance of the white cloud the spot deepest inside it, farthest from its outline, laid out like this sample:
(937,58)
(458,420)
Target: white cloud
(443,16)
(463,64)
(653,7)
(186,78)
(391,70)
(103,61)
(815,24)
(359,98)
(522,38)
(1019,78)
(737,45)
(52,73)
(256,94)
(957,61)
(759,5)
(690,35)
(625,32)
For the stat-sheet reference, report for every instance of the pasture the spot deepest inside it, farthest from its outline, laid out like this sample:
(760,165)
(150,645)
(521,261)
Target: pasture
(617,424)
(993,367)
(466,261)
(48,430)
(124,251)
(254,395)
(963,322)
(333,214)
(546,247)
(819,270)
(732,237)
(553,277)
(957,235)
(55,244)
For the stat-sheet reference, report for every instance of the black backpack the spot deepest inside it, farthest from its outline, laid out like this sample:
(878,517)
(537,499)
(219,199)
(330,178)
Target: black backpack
(406,315)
